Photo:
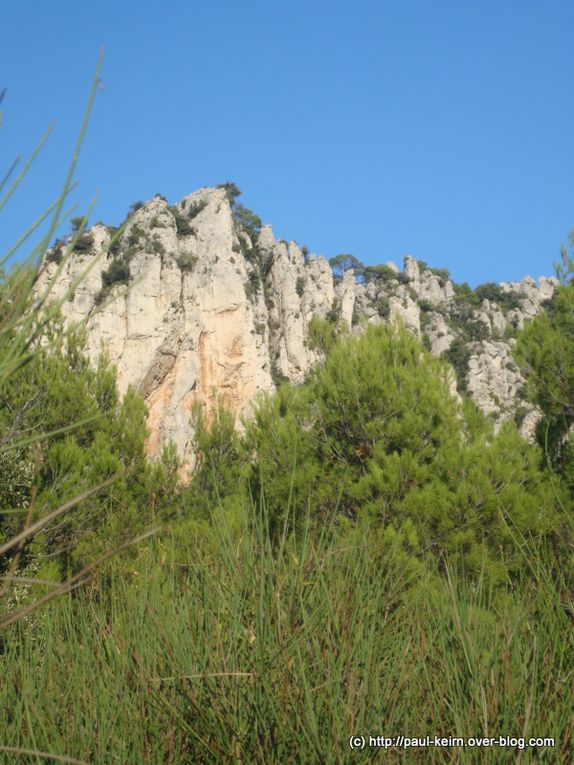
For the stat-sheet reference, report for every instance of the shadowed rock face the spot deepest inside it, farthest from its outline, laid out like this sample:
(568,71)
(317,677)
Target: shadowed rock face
(215,310)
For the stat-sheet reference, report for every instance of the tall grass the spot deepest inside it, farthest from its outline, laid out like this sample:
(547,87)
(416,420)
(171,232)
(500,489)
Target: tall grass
(27,309)
(222,650)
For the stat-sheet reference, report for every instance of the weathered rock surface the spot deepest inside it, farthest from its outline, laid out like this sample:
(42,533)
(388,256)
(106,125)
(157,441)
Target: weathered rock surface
(191,304)
(196,322)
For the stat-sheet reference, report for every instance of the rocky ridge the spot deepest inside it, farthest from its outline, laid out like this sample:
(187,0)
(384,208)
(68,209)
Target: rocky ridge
(197,302)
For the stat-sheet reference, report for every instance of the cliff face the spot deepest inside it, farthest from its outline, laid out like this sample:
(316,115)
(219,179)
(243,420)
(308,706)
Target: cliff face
(197,302)
(198,321)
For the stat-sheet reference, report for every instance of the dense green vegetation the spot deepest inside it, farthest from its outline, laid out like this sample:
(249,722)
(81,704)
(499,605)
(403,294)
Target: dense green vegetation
(217,648)
(368,550)
(56,388)
(546,351)
(374,439)
(375,521)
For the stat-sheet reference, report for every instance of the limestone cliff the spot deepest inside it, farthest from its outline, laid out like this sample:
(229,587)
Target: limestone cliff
(197,302)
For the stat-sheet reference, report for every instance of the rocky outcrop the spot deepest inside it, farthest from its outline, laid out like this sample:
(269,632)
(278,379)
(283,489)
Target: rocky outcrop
(197,302)
(205,313)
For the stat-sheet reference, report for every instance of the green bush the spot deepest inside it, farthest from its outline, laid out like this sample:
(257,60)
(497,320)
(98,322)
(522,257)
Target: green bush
(382,273)
(322,334)
(84,242)
(443,275)
(117,273)
(157,245)
(476,330)
(248,221)
(376,434)
(253,284)
(344,262)
(232,191)
(277,375)
(545,352)
(426,306)
(459,355)
(134,207)
(494,292)
(186,262)
(465,294)
(181,224)
(136,233)
(56,253)
(195,208)
(78,223)
(383,308)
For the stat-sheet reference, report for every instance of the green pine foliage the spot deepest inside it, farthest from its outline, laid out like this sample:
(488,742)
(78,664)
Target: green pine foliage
(57,388)
(375,437)
(494,292)
(182,225)
(545,350)
(322,334)
(247,220)
(382,273)
(344,262)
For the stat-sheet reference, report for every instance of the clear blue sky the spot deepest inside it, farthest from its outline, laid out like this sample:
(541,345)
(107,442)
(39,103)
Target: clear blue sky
(381,128)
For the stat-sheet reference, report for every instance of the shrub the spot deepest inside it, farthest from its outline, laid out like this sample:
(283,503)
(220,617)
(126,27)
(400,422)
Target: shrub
(376,433)
(442,273)
(195,208)
(232,191)
(186,262)
(300,285)
(136,233)
(157,245)
(56,253)
(84,243)
(459,355)
(248,221)
(494,292)
(344,262)
(545,352)
(134,207)
(321,334)
(77,223)
(181,224)
(277,375)
(117,273)
(382,273)
(477,330)
(383,308)
(253,284)
(463,293)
